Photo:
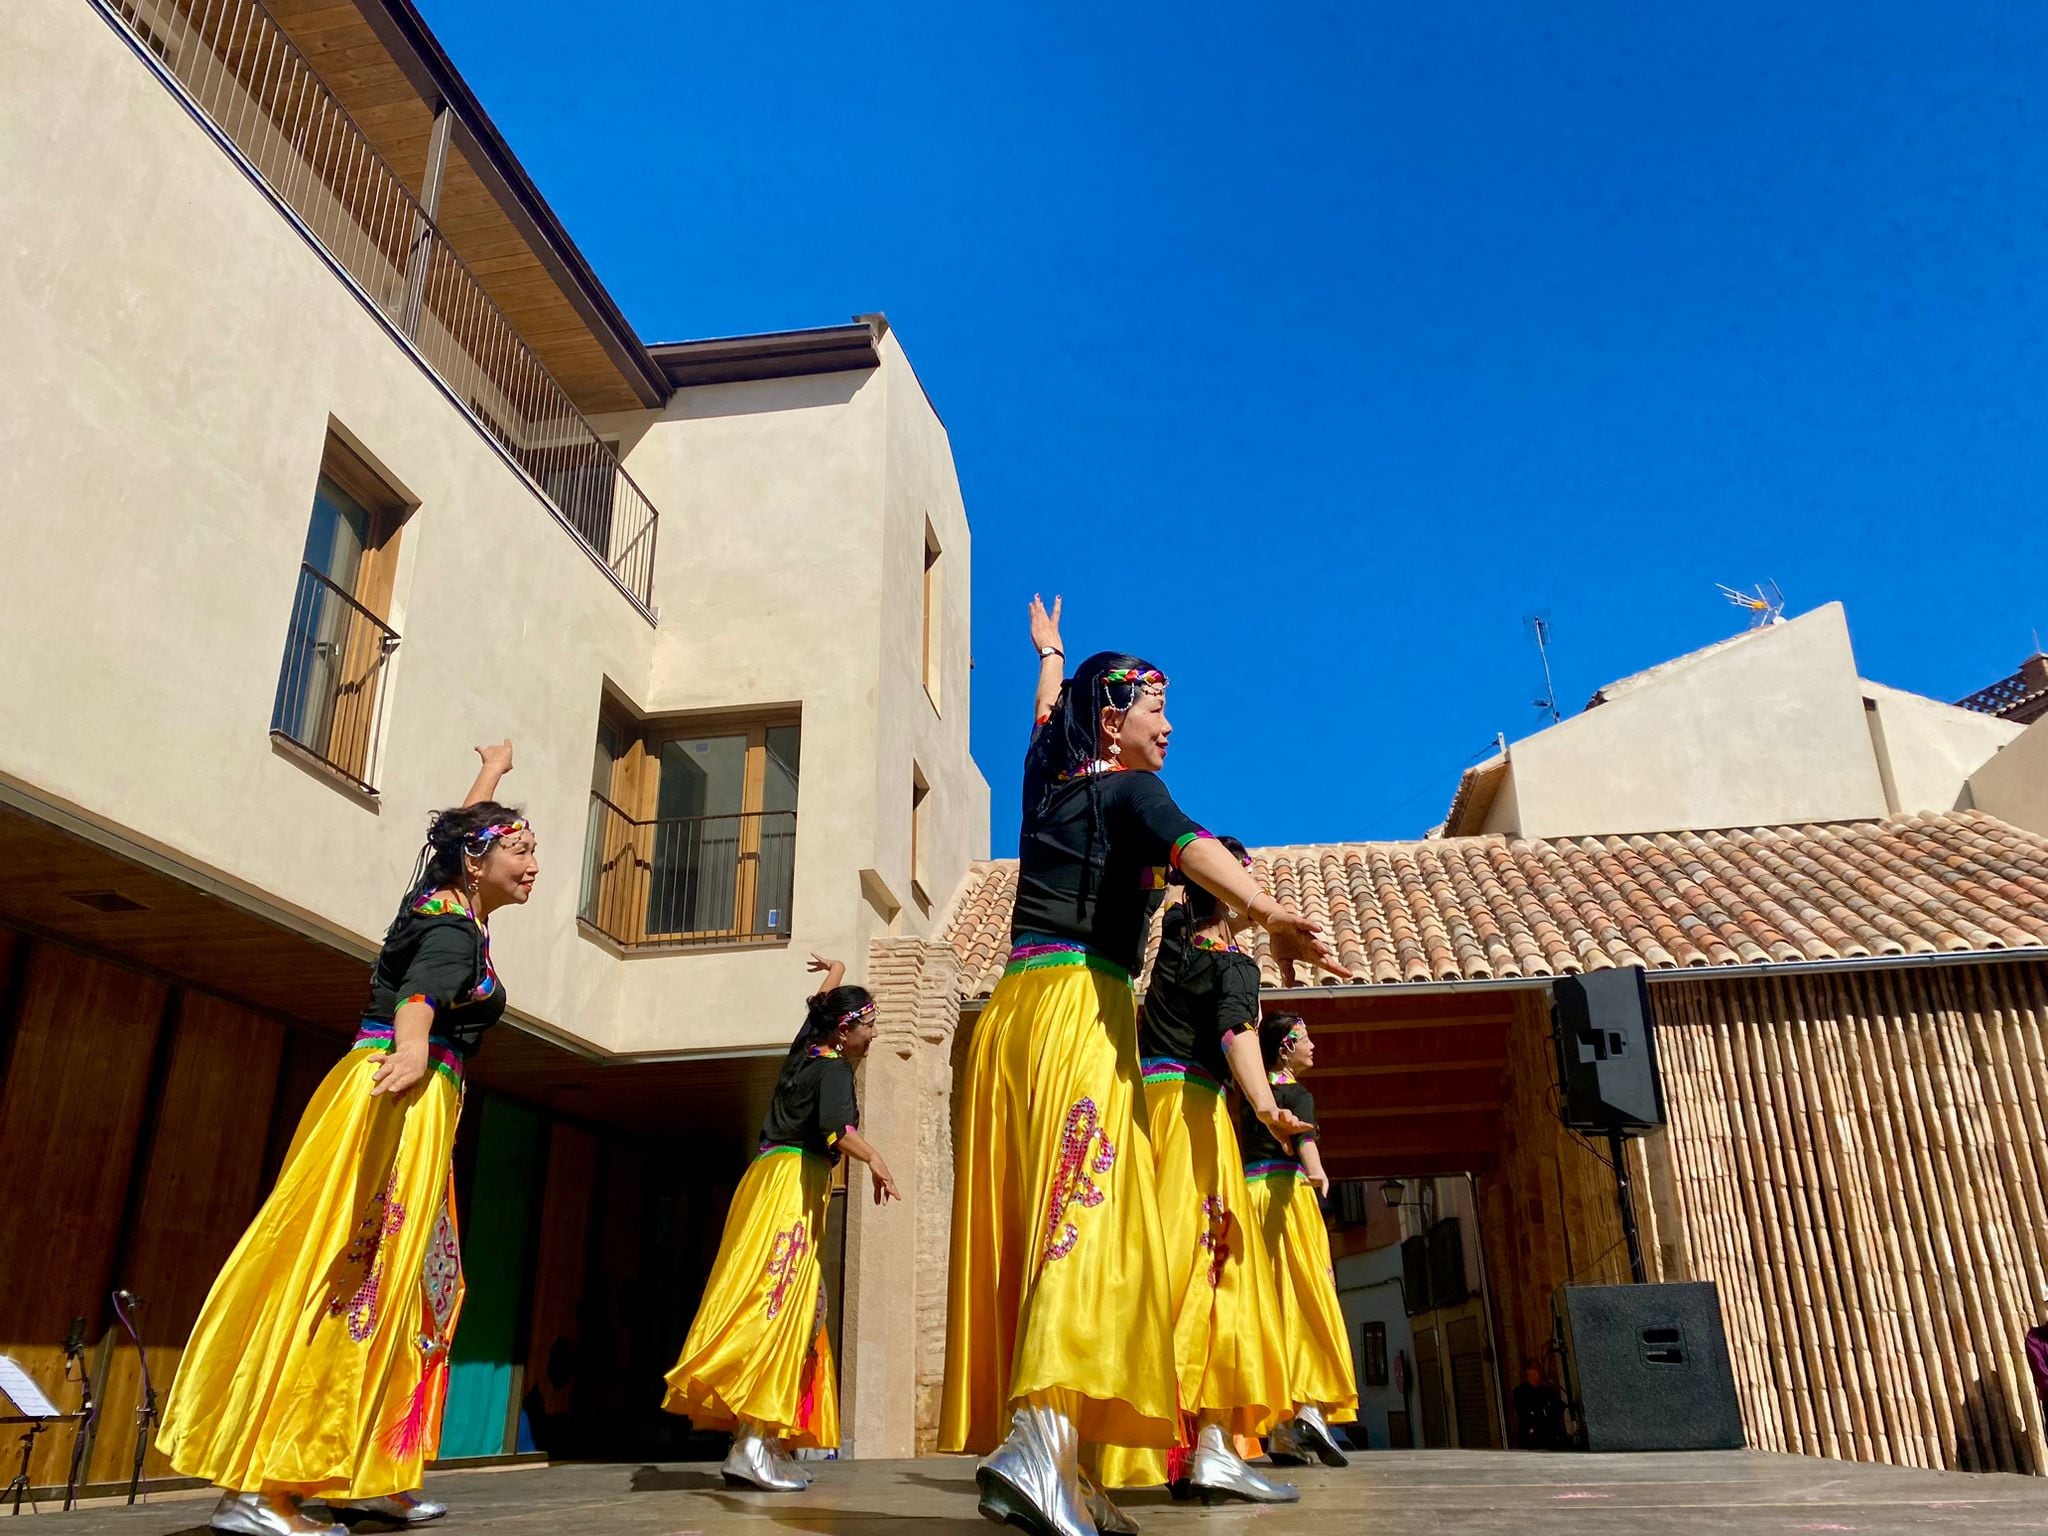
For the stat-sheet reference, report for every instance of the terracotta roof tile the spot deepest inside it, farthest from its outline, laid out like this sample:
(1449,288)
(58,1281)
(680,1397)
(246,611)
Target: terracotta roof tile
(1484,908)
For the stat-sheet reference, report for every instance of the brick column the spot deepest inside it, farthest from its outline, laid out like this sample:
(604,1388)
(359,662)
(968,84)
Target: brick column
(892,1349)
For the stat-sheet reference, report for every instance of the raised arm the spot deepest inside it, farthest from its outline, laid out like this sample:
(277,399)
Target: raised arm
(1052,656)
(835,972)
(497,762)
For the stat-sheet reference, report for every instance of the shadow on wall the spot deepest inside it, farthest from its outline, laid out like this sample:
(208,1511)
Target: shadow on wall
(1988,1422)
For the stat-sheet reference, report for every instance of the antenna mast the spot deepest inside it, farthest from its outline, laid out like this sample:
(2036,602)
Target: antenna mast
(1540,627)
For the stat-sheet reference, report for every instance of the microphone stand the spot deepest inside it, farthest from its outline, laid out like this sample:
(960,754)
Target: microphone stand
(74,1351)
(145,1411)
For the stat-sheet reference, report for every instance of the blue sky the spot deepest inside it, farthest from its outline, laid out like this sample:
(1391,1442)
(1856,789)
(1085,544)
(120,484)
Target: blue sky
(1307,351)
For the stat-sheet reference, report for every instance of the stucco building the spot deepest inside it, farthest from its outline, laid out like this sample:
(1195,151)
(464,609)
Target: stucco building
(327,457)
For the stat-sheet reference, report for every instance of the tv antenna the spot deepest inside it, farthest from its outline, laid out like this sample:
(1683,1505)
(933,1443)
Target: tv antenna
(1538,625)
(1765,605)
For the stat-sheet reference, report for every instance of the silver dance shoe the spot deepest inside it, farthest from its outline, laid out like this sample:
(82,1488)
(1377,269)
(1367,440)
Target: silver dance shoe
(251,1514)
(1032,1480)
(1109,1519)
(785,1463)
(405,1508)
(1315,1436)
(1285,1446)
(1216,1473)
(752,1465)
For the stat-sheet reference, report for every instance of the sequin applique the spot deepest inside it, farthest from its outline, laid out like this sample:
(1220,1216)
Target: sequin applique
(1217,1221)
(384,1219)
(1073,1181)
(783,1259)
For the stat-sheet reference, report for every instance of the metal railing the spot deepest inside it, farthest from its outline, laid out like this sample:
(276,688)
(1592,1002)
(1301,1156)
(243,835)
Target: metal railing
(245,74)
(330,688)
(689,880)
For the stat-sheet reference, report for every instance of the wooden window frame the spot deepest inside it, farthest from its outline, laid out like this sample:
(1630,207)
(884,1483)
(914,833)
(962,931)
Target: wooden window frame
(636,792)
(349,740)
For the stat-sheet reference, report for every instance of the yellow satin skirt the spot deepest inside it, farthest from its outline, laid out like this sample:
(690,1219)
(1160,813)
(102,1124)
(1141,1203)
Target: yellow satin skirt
(1058,1290)
(1227,1358)
(1307,1318)
(758,1349)
(320,1359)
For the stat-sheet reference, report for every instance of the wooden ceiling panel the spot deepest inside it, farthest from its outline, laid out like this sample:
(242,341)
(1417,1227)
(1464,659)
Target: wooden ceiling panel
(64,889)
(386,103)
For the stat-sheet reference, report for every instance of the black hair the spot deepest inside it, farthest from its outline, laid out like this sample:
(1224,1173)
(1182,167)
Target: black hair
(1202,904)
(1071,738)
(1274,1029)
(821,1020)
(450,835)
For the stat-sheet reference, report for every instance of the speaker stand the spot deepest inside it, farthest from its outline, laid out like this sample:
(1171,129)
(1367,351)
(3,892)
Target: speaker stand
(1625,1193)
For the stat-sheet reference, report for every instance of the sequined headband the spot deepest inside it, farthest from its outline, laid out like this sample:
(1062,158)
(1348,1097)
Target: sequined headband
(481,839)
(1141,678)
(863,1012)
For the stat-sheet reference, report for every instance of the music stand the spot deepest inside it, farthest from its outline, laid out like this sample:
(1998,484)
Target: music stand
(36,1411)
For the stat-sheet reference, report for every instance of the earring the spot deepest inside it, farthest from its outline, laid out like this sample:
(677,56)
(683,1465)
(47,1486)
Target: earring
(1116,749)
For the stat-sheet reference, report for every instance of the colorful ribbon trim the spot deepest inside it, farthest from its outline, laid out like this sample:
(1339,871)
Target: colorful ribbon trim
(441,1056)
(1038,957)
(1267,1167)
(1180,844)
(778,1148)
(1175,1069)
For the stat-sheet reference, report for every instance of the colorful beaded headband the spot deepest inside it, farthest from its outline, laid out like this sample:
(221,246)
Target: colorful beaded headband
(477,842)
(1144,679)
(859,1015)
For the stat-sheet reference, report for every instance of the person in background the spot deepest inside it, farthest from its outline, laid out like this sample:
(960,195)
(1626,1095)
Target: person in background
(757,1359)
(1539,1411)
(1284,1175)
(318,1367)
(1199,1031)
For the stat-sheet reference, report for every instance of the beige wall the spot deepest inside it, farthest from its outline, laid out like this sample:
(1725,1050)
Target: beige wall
(1764,731)
(791,571)
(1930,748)
(2013,786)
(188,350)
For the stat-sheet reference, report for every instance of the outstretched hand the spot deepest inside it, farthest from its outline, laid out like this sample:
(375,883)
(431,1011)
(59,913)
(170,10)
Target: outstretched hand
(885,1187)
(497,759)
(1284,1122)
(1045,627)
(1298,938)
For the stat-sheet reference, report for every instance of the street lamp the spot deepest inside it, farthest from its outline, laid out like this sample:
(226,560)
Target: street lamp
(1393,1189)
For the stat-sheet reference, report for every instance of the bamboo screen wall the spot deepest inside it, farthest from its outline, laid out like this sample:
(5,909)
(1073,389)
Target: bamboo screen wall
(1858,1159)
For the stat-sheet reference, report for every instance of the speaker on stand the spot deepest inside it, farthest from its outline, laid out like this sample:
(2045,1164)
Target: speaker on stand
(1607,1072)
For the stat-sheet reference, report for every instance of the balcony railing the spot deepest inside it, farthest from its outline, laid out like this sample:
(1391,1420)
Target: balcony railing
(244,73)
(330,689)
(689,880)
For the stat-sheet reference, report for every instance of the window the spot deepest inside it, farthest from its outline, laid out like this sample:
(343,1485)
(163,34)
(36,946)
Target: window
(330,686)
(692,833)
(1372,1354)
(920,883)
(932,596)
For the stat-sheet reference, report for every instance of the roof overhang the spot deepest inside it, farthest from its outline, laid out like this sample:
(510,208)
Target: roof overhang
(772,355)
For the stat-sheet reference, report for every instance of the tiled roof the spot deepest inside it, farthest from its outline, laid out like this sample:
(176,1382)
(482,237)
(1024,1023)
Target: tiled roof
(2021,698)
(1479,908)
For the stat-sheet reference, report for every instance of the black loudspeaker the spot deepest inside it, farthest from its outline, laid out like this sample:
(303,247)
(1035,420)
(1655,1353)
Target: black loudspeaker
(1647,1367)
(1606,1054)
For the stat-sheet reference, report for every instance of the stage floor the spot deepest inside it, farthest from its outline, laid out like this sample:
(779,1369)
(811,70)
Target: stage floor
(1415,1493)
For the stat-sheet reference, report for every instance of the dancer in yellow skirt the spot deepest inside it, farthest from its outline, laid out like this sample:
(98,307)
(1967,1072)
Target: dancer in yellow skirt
(1285,1175)
(319,1364)
(1200,1030)
(757,1360)
(1059,1323)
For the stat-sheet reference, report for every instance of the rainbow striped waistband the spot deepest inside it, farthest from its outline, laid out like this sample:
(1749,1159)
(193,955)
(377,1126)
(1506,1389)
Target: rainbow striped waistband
(1044,955)
(1174,1069)
(1269,1166)
(441,1056)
